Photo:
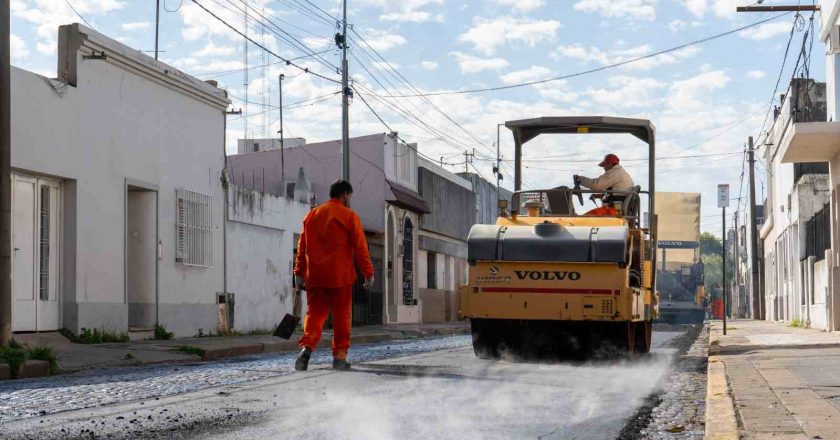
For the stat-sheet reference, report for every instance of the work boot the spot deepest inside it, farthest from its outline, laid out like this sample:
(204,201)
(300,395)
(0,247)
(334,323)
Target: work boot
(341,365)
(302,362)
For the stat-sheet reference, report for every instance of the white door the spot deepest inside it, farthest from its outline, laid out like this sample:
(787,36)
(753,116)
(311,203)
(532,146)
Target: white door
(35,208)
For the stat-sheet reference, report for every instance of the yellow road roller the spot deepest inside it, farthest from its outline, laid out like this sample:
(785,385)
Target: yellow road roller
(551,280)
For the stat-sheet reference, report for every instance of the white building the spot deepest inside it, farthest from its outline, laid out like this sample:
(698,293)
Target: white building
(795,268)
(262,235)
(117,194)
(254,145)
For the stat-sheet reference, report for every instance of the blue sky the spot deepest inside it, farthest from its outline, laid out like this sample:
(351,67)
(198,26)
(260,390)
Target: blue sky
(704,100)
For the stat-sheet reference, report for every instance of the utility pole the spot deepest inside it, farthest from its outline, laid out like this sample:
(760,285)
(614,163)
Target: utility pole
(5,179)
(345,102)
(498,168)
(468,160)
(157,26)
(737,265)
(780,8)
(723,202)
(757,295)
(245,115)
(282,140)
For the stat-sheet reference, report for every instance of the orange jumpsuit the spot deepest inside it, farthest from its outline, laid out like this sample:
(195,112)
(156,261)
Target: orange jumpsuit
(603,211)
(331,241)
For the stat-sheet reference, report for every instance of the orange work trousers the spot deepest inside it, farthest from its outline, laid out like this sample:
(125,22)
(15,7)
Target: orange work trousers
(320,300)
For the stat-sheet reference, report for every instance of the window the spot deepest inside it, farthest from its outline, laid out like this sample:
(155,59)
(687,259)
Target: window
(290,190)
(194,229)
(44,243)
(256,146)
(431,270)
(408,262)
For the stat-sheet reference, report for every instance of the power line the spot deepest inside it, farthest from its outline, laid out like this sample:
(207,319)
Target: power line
(598,69)
(287,61)
(80,15)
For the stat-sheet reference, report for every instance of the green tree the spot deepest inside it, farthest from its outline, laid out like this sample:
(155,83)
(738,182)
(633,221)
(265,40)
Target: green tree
(710,252)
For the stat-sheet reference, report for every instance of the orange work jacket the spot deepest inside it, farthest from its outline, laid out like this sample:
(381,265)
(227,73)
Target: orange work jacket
(331,241)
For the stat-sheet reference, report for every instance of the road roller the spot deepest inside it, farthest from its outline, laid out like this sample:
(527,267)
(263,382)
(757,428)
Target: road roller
(552,279)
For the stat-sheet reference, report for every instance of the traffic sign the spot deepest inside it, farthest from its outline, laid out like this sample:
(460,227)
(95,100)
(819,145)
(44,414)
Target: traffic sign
(723,195)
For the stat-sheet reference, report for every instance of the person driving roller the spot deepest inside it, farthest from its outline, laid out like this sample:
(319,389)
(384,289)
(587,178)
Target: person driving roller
(615,178)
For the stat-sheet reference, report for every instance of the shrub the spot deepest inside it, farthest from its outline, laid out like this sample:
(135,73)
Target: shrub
(96,336)
(44,353)
(15,357)
(190,349)
(161,333)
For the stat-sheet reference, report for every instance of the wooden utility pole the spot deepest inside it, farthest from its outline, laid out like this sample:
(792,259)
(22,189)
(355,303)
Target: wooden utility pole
(5,178)
(757,309)
(784,8)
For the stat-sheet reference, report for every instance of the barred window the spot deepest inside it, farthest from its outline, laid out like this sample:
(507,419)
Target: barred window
(194,228)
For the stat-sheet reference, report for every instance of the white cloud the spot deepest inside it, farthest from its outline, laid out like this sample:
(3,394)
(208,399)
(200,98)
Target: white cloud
(47,15)
(532,73)
(382,65)
(766,31)
(19,49)
(473,64)
(594,54)
(679,25)
(628,92)
(697,7)
(726,8)
(136,26)
(407,10)
(382,40)
(429,65)
(522,5)
(632,9)
(488,35)
(692,92)
(211,50)
(756,74)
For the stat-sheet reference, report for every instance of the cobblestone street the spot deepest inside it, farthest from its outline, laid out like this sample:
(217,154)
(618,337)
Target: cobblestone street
(254,397)
(27,398)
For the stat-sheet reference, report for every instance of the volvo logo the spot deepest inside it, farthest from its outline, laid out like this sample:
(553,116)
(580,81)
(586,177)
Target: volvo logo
(494,270)
(547,275)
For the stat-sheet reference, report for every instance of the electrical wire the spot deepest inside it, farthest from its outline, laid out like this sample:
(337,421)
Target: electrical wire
(602,68)
(287,61)
(79,15)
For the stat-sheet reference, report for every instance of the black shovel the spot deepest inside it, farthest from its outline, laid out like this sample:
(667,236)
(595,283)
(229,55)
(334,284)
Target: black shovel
(289,323)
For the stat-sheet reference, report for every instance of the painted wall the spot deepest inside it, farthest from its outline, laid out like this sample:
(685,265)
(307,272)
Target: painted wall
(322,164)
(261,232)
(125,117)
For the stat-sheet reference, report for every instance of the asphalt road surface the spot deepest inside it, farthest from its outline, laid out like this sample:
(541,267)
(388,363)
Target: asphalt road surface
(433,388)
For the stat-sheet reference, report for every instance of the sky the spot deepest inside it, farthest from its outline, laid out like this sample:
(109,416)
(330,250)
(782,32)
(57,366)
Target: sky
(704,99)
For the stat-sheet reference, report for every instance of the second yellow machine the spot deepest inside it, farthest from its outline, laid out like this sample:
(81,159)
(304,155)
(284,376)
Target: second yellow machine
(547,280)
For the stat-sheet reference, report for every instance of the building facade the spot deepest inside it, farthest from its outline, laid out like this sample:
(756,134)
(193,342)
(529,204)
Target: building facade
(117,192)
(384,176)
(795,271)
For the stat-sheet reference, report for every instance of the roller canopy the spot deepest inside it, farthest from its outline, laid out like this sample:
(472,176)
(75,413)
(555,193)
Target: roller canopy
(526,129)
(548,242)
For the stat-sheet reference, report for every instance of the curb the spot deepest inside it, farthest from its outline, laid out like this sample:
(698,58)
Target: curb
(721,423)
(31,368)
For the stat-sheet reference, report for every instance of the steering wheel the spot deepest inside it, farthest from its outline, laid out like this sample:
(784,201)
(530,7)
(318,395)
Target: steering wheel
(577,190)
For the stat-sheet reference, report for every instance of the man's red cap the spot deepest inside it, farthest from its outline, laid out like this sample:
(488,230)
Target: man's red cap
(609,159)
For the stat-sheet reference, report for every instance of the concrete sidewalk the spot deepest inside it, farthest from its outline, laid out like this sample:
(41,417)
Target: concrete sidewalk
(75,357)
(773,382)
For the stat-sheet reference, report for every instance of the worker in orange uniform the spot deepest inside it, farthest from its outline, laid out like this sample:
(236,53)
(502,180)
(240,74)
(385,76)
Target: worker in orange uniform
(615,178)
(331,241)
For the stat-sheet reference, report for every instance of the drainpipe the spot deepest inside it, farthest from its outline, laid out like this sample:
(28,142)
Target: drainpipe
(225,189)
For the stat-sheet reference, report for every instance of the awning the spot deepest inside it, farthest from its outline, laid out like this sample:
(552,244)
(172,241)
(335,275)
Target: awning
(811,142)
(406,198)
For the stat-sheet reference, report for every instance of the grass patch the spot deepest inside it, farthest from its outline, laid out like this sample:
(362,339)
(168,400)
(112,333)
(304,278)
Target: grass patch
(161,334)
(797,323)
(190,349)
(95,336)
(44,353)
